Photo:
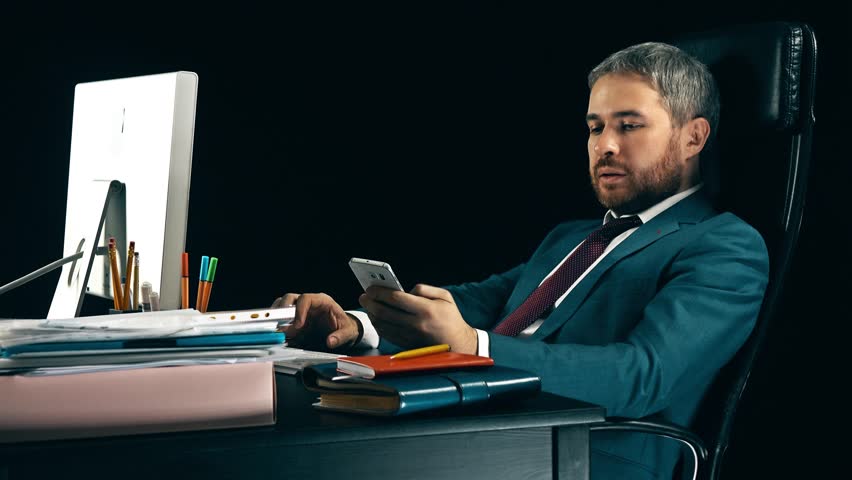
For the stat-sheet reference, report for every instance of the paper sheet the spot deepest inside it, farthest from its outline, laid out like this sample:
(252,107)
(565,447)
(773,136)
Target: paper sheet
(290,360)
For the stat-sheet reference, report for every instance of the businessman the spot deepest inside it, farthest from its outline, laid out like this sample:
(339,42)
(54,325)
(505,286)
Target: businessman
(636,312)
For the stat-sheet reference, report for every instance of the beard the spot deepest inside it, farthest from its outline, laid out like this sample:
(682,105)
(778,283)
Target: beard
(641,189)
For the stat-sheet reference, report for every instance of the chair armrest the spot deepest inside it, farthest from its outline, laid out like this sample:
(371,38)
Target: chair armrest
(662,428)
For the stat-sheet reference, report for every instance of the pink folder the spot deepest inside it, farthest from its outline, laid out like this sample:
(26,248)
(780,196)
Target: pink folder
(145,400)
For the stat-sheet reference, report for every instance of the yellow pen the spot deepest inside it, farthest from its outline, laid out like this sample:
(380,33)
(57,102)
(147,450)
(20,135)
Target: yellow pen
(419,352)
(135,305)
(125,297)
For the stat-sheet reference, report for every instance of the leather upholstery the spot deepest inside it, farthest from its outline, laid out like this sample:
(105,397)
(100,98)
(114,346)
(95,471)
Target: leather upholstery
(757,165)
(758,169)
(760,70)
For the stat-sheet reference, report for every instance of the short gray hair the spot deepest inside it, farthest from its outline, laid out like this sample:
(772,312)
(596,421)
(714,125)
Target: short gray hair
(686,86)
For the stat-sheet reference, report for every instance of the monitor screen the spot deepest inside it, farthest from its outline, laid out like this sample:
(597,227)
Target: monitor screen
(137,131)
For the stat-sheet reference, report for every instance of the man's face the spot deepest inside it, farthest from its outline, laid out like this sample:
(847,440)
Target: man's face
(634,155)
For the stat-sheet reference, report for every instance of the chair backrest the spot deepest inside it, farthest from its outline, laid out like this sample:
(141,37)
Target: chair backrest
(758,169)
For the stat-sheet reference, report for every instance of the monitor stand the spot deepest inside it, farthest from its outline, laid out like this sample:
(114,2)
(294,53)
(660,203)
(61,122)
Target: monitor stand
(71,287)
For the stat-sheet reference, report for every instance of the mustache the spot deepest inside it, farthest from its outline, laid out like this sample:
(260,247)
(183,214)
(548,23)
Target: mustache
(609,162)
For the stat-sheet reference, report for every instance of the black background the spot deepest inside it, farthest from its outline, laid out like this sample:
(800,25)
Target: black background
(446,139)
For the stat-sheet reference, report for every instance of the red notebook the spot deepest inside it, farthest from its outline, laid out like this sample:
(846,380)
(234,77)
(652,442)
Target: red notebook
(377,365)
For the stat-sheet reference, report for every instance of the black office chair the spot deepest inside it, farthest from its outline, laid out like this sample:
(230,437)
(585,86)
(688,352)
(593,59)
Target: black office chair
(757,169)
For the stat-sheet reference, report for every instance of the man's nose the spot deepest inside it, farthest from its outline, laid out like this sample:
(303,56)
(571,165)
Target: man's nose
(606,143)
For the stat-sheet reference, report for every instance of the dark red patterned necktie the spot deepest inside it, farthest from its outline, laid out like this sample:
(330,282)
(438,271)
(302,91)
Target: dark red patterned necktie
(543,297)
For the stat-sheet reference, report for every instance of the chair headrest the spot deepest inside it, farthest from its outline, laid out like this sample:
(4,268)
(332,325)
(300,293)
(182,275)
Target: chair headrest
(759,71)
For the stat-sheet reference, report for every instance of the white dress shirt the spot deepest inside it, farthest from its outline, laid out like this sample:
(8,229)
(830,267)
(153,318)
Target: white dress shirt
(371,337)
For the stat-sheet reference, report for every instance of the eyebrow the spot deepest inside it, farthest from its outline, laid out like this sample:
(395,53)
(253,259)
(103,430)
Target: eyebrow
(619,114)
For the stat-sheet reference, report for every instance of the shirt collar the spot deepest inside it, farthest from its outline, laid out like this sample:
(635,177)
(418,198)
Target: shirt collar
(653,211)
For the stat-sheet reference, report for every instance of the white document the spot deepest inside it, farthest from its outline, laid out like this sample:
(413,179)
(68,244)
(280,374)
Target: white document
(290,360)
(173,318)
(87,358)
(128,326)
(72,370)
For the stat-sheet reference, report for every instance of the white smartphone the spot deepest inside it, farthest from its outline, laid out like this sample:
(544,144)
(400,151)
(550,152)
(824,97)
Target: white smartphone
(372,272)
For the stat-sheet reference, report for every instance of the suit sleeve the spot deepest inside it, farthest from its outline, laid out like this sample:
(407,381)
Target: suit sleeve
(703,312)
(482,303)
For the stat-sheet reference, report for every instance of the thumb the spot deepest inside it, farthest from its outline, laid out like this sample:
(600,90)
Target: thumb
(432,293)
(340,337)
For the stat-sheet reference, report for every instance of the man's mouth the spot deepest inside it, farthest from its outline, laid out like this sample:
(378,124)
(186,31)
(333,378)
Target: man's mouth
(610,176)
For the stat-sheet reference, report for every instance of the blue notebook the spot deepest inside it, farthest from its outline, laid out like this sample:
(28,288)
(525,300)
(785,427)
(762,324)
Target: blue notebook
(417,392)
(233,339)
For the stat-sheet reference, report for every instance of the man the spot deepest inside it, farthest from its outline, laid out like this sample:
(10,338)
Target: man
(637,314)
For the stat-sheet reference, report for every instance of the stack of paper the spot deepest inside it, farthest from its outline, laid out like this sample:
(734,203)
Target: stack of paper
(95,376)
(179,336)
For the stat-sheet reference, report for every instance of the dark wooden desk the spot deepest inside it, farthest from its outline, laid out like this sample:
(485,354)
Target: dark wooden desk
(543,437)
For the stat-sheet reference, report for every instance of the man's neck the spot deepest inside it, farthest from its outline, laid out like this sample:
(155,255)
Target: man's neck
(658,208)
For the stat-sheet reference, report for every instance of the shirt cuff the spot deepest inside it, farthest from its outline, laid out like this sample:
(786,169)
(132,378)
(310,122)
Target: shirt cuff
(370,339)
(483,349)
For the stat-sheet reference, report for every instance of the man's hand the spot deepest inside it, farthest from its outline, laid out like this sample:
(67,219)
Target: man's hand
(425,316)
(319,321)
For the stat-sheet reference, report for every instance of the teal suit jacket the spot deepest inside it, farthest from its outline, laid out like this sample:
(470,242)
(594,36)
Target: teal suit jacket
(644,332)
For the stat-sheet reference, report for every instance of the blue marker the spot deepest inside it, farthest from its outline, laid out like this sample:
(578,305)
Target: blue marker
(202,279)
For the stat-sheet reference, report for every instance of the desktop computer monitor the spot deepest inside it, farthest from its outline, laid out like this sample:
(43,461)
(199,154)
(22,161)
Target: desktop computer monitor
(137,131)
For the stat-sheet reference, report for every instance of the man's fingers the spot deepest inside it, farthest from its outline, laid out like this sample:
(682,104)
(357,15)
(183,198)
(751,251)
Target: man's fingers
(402,301)
(293,336)
(432,293)
(286,300)
(341,336)
(290,299)
(384,311)
(306,304)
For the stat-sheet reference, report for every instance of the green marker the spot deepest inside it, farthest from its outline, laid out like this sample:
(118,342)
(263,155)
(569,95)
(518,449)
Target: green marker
(208,285)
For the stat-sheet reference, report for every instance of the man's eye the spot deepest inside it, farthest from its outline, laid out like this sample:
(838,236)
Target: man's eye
(630,126)
(595,129)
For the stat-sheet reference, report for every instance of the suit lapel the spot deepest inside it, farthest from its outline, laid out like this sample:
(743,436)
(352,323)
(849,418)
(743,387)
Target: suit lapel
(689,210)
(544,264)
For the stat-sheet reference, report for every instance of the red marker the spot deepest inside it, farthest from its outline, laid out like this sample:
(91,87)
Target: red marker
(184,281)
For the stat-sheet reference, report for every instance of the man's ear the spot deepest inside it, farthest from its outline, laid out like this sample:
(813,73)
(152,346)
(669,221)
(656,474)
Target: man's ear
(696,132)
